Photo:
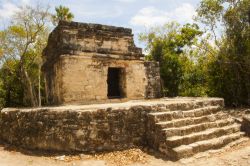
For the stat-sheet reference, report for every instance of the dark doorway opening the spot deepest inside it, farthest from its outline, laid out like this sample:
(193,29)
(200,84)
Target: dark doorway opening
(115,83)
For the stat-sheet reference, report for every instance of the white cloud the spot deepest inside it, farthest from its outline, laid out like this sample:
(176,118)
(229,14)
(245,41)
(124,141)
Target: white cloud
(126,1)
(151,16)
(184,13)
(98,12)
(7,10)
(25,2)
(101,14)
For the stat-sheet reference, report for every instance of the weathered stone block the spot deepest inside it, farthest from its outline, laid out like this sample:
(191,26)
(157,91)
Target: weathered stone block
(245,126)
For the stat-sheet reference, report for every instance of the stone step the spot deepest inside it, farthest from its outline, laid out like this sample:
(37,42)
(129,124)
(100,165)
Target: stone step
(176,141)
(191,121)
(184,151)
(194,104)
(170,115)
(185,130)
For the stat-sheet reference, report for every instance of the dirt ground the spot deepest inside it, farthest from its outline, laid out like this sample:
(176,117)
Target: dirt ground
(238,155)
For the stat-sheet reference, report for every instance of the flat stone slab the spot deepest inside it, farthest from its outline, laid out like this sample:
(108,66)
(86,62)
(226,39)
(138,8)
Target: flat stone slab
(128,104)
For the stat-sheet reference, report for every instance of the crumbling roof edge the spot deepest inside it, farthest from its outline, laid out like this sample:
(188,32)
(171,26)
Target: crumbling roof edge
(95,26)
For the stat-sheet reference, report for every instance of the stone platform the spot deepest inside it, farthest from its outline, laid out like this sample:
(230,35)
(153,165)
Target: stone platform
(177,127)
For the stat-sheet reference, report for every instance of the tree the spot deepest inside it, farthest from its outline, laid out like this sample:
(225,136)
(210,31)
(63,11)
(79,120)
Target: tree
(11,88)
(2,94)
(23,42)
(62,14)
(199,56)
(230,70)
(166,45)
(209,13)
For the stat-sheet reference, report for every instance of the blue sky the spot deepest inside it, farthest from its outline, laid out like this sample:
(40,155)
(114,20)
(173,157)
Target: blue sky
(135,14)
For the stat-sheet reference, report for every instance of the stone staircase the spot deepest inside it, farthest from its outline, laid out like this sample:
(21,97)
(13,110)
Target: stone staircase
(183,133)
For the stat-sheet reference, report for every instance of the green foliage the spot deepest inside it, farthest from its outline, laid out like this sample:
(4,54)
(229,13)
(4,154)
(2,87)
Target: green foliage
(194,78)
(229,71)
(62,14)
(166,45)
(192,66)
(2,95)
(11,88)
(210,11)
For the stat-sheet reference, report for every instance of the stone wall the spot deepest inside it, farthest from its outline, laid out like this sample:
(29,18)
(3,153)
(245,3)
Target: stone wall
(86,128)
(153,88)
(72,130)
(85,79)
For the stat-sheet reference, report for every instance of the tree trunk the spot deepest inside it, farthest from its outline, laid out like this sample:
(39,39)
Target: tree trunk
(46,91)
(39,87)
(29,87)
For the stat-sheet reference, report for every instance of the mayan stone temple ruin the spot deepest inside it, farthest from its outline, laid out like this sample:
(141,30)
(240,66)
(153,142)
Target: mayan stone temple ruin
(105,97)
(92,63)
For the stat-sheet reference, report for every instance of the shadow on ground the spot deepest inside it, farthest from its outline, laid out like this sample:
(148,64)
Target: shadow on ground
(137,150)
